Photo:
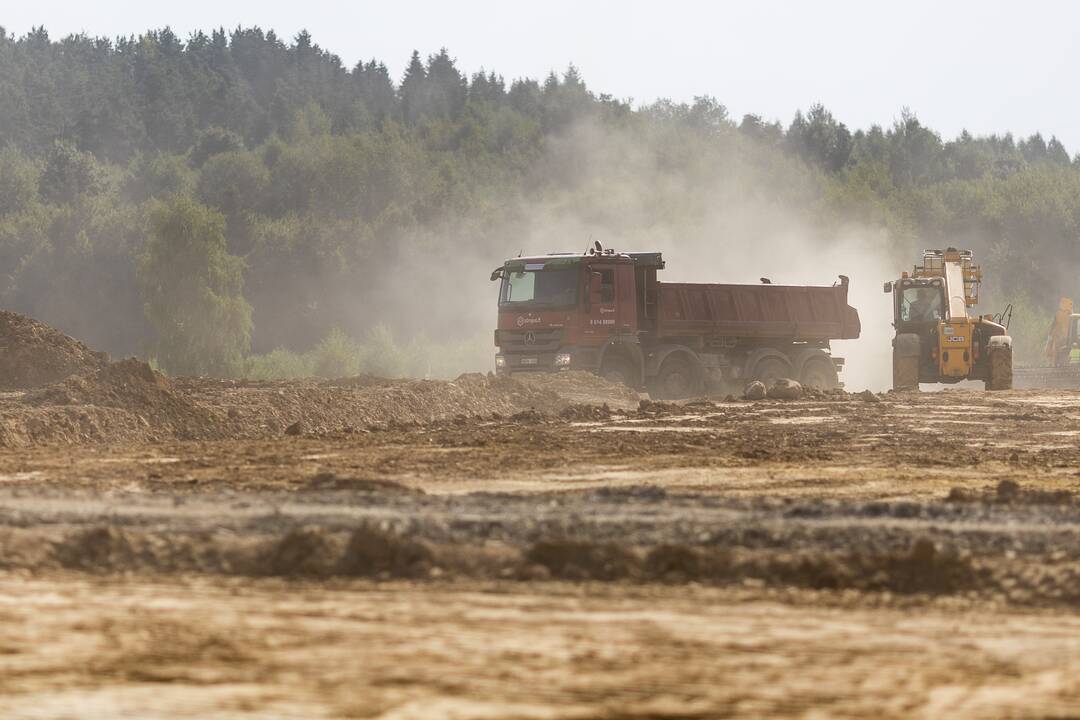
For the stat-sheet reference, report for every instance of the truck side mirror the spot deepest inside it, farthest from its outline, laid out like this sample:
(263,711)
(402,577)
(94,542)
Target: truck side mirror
(497,273)
(888,288)
(596,292)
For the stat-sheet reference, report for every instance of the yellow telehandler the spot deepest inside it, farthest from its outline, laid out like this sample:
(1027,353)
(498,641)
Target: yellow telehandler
(937,341)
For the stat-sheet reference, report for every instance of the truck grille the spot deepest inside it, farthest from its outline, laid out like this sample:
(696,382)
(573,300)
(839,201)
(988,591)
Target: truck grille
(545,340)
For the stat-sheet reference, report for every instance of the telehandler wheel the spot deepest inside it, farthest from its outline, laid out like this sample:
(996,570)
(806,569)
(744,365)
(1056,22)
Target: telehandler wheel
(676,380)
(1001,371)
(619,370)
(905,362)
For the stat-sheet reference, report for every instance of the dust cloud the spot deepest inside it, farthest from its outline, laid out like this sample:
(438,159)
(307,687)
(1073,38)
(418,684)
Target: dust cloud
(708,202)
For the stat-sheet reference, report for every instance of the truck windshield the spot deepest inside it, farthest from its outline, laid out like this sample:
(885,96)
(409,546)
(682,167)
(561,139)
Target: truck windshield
(920,304)
(552,288)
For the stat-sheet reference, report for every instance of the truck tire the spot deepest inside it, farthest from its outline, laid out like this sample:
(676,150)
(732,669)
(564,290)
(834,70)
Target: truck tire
(771,368)
(1001,369)
(818,371)
(905,362)
(677,379)
(619,370)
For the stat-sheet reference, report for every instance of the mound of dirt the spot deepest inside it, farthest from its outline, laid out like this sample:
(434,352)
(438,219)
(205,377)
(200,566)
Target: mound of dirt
(674,563)
(97,549)
(582,388)
(302,552)
(785,389)
(149,407)
(578,560)
(1010,492)
(330,481)
(755,391)
(373,553)
(250,409)
(368,552)
(33,354)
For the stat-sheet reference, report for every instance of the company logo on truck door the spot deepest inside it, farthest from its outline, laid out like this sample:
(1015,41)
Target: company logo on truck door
(523,320)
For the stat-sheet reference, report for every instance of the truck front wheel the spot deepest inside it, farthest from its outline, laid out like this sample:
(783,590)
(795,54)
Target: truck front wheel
(619,370)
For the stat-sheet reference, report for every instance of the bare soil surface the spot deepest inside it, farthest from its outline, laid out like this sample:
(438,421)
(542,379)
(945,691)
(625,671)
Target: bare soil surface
(34,354)
(536,548)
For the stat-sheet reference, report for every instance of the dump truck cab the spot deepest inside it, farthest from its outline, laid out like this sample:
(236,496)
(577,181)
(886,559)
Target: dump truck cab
(562,311)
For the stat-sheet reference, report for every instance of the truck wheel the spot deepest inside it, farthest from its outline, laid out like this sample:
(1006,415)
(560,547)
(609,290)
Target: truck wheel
(770,369)
(1001,371)
(619,370)
(818,371)
(905,362)
(676,380)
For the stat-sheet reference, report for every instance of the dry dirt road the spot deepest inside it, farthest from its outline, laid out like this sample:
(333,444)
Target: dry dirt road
(910,555)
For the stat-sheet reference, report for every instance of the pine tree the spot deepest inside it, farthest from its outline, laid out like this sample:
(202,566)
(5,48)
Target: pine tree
(413,90)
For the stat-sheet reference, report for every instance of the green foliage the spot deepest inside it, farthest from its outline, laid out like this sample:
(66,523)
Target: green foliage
(212,141)
(1029,327)
(69,173)
(159,176)
(337,355)
(381,355)
(18,181)
(362,210)
(279,364)
(193,291)
(235,182)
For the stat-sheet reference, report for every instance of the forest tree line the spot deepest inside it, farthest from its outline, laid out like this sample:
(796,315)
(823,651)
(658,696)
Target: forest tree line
(237,203)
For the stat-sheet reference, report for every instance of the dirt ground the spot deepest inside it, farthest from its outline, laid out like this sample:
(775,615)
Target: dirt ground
(490,548)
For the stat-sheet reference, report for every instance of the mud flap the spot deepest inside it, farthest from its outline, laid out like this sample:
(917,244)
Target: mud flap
(905,362)
(1001,370)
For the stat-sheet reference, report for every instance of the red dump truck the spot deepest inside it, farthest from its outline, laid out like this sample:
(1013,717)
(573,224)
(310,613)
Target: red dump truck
(606,312)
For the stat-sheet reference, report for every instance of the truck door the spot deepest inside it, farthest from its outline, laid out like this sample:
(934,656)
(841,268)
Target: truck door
(602,320)
(626,300)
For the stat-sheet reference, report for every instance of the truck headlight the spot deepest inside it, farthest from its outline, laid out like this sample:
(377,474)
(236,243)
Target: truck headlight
(500,362)
(562,360)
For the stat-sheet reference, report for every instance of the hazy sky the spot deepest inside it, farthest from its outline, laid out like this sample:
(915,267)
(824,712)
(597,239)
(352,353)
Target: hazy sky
(988,66)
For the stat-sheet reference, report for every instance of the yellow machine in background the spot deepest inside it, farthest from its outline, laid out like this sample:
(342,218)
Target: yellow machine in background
(1062,346)
(937,341)
(1060,366)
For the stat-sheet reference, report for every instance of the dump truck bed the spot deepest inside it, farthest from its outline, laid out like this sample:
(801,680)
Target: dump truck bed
(793,313)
